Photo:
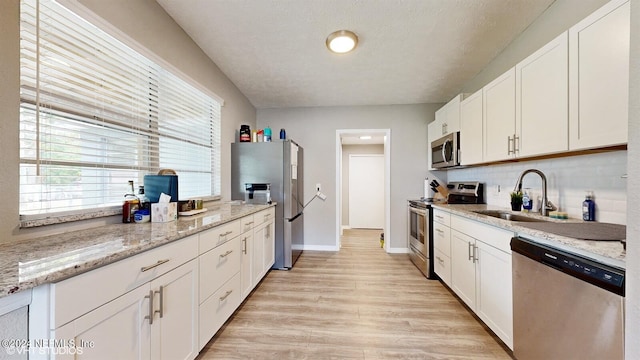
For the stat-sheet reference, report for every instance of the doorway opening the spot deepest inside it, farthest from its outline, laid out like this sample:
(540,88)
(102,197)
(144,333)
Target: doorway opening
(363,182)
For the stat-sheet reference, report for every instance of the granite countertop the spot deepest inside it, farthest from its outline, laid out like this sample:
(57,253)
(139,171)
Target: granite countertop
(608,252)
(28,263)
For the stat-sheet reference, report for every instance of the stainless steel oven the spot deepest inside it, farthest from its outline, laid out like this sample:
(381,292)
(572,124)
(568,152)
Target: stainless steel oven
(445,151)
(419,233)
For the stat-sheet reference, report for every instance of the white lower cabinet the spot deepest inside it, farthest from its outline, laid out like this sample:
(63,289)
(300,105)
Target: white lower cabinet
(164,303)
(216,309)
(481,273)
(246,272)
(154,321)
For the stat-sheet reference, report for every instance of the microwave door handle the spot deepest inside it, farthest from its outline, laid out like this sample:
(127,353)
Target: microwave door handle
(444,151)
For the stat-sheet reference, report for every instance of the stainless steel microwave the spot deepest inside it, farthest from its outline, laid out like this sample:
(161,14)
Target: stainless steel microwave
(445,152)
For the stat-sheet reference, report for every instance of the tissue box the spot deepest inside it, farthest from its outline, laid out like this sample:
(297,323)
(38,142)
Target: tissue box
(164,212)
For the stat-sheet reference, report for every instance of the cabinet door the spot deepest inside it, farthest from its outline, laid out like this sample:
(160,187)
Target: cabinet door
(246,275)
(463,273)
(175,327)
(452,119)
(442,266)
(471,138)
(599,77)
(269,247)
(116,330)
(499,109)
(493,291)
(258,253)
(542,100)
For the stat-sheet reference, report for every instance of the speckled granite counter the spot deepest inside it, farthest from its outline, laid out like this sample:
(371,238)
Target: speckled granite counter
(607,252)
(29,263)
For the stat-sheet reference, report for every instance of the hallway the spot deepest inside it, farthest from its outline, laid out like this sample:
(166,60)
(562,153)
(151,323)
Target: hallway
(358,303)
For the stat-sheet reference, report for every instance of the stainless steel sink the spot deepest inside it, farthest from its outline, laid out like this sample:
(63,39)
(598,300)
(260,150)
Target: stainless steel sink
(509,216)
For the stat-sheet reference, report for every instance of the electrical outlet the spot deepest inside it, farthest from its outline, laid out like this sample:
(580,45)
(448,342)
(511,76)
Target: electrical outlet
(318,187)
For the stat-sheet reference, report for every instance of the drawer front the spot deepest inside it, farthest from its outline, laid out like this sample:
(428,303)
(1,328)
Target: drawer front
(80,294)
(442,217)
(219,235)
(247,223)
(264,216)
(217,266)
(442,238)
(442,267)
(490,235)
(218,308)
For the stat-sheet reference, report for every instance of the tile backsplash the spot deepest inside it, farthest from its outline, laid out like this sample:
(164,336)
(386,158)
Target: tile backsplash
(568,179)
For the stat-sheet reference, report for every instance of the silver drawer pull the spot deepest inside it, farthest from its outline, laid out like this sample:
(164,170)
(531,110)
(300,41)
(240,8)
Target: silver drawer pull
(226,253)
(249,223)
(160,262)
(440,231)
(226,295)
(227,233)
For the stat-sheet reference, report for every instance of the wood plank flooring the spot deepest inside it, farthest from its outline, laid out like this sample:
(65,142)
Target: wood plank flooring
(358,303)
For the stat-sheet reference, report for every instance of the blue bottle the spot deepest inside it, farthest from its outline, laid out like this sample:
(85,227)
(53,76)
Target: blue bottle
(527,204)
(589,208)
(283,134)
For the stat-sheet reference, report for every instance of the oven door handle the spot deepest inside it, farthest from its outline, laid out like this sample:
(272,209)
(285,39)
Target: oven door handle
(417,210)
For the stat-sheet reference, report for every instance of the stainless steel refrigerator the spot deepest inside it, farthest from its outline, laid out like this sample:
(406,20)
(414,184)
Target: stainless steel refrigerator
(279,163)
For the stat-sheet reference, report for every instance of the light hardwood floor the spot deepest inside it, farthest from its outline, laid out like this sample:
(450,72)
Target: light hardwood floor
(358,303)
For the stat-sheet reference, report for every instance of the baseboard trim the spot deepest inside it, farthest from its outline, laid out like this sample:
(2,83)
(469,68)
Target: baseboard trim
(398,250)
(321,248)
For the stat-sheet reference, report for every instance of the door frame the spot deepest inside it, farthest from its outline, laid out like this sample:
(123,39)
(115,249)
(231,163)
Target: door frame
(387,180)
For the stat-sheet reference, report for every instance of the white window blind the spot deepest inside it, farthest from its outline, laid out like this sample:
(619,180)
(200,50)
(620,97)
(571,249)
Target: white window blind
(95,113)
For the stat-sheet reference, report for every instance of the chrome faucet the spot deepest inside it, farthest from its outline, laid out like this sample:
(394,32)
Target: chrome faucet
(546,205)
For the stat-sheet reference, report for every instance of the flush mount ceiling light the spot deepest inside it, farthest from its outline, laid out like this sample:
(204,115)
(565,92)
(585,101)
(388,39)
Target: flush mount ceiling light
(365,137)
(342,41)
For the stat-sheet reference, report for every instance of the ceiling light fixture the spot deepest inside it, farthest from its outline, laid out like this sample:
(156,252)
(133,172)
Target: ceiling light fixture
(365,137)
(342,41)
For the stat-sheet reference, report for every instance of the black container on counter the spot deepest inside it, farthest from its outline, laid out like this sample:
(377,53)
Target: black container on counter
(245,133)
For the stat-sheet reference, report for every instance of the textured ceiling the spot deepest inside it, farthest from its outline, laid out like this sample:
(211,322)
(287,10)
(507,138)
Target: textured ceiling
(409,51)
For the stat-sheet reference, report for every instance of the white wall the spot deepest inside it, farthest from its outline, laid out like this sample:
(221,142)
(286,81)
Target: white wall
(146,23)
(346,151)
(568,179)
(315,130)
(632,308)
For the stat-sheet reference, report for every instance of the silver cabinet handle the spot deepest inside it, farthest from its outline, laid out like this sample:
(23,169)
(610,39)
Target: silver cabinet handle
(475,253)
(226,295)
(161,311)
(244,245)
(469,251)
(440,231)
(226,254)
(225,234)
(440,260)
(509,141)
(150,316)
(160,262)
(516,144)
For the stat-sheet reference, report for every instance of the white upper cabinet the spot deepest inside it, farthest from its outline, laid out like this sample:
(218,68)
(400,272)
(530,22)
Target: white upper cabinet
(599,77)
(499,109)
(471,138)
(542,100)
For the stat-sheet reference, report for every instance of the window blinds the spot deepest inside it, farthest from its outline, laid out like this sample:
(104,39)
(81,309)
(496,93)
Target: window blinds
(95,113)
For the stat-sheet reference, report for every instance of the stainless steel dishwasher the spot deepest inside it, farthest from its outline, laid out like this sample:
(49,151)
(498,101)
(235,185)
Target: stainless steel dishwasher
(565,306)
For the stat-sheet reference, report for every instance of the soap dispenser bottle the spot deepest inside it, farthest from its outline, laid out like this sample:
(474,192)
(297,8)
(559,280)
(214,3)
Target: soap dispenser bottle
(589,207)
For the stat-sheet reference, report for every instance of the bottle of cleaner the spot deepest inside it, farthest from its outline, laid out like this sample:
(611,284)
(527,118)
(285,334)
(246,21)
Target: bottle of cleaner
(267,134)
(589,207)
(527,203)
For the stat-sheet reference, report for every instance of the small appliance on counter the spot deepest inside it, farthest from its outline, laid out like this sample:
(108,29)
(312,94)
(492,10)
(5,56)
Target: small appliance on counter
(257,193)
(420,222)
